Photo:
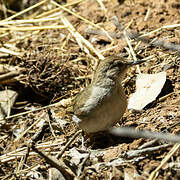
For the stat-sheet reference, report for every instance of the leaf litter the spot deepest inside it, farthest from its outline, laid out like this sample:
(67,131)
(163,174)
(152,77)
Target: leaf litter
(148,87)
(59,60)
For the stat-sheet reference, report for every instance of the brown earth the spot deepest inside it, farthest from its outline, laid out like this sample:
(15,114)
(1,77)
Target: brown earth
(57,68)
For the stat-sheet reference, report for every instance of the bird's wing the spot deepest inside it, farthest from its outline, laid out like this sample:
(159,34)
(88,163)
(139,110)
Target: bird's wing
(88,99)
(80,100)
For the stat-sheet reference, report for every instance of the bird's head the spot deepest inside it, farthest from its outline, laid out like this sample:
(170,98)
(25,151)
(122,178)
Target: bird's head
(114,67)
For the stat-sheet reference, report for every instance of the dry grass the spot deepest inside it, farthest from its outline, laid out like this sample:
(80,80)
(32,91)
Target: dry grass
(46,40)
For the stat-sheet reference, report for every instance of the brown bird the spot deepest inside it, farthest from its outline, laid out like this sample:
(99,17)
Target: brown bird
(102,104)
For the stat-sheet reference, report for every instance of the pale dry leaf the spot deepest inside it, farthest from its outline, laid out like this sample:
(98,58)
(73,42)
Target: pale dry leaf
(130,174)
(7,99)
(55,174)
(76,156)
(148,87)
(3,69)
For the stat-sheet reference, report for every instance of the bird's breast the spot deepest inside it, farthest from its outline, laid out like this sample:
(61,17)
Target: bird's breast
(104,107)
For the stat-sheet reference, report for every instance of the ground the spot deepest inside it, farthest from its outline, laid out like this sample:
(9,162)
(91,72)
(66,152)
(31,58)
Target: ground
(53,67)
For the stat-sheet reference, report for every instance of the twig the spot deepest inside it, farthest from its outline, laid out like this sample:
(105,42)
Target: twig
(133,133)
(50,119)
(9,75)
(68,143)
(29,144)
(154,174)
(147,14)
(148,144)
(23,162)
(161,28)
(24,132)
(32,28)
(143,152)
(82,18)
(57,9)
(166,96)
(24,11)
(58,164)
(154,141)
(49,159)
(102,5)
(15,22)
(80,40)
(131,50)
(138,37)
(74,14)
(18,153)
(62,102)
(8,51)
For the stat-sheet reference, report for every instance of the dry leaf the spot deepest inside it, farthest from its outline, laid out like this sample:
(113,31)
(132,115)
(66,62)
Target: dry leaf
(55,174)
(130,174)
(7,99)
(148,87)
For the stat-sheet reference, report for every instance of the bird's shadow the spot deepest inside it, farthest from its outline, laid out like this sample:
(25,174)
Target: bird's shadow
(103,140)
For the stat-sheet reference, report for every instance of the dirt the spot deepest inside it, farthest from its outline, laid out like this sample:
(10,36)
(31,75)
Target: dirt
(56,68)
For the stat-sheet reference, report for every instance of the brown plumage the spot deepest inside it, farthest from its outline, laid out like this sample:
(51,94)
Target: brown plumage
(102,104)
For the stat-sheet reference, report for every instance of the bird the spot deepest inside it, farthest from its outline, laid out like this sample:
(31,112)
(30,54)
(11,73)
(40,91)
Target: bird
(103,102)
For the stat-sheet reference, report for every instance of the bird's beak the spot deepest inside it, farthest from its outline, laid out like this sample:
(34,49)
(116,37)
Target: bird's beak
(136,62)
